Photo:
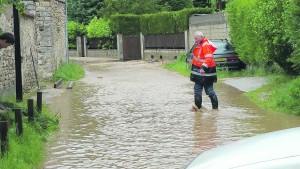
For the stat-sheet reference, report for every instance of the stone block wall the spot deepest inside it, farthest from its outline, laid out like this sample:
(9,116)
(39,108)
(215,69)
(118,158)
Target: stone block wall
(43,44)
(7,59)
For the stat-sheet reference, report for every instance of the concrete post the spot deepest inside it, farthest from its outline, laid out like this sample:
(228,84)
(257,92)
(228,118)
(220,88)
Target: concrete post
(84,46)
(81,42)
(120,46)
(142,39)
(186,41)
(78,44)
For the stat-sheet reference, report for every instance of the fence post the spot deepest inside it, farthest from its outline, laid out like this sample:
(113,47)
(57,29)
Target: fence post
(30,110)
(18,121)
(4,137)
(39,101)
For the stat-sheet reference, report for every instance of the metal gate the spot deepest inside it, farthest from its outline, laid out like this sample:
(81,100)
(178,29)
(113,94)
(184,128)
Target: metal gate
(132,47)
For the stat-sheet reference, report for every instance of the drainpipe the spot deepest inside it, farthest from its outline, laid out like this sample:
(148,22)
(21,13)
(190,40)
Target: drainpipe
(18,61)
(66,27)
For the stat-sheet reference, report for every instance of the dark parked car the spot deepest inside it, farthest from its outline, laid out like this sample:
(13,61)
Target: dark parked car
(225,56)
(274,150)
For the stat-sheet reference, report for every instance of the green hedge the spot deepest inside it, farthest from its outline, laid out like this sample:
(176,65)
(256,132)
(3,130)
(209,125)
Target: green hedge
(169,22)
(126,24)
(259,31)
(158,23)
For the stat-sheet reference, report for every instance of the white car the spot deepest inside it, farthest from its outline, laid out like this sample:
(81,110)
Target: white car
(274,150)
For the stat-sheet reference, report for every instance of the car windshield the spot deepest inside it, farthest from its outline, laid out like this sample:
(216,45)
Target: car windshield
(223,47)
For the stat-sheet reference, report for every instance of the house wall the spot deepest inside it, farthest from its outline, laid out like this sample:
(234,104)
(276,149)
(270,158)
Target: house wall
(43,44)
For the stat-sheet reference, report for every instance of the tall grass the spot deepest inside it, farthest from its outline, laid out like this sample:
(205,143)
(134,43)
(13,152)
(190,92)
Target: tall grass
(27,150)
(68,72)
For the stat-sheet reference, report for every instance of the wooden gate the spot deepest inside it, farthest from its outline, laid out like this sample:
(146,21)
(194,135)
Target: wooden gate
(132,47)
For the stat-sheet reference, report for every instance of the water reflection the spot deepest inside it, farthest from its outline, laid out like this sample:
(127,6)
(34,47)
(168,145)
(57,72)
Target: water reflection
(205,130)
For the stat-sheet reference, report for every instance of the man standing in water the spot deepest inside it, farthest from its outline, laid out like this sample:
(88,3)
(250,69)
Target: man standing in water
(6,39)
(203,71)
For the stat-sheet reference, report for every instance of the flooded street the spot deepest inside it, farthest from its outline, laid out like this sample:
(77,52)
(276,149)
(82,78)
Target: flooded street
(135,115)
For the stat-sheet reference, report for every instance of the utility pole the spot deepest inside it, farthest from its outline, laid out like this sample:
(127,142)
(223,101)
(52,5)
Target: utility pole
(18,61)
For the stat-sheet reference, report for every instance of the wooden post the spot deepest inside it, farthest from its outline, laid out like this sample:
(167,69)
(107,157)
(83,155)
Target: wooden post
(4,137)
(18,121)
(30,110)
(39,101)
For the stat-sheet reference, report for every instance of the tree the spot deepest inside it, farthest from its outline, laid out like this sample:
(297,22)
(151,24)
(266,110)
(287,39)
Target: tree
(202,3)
(98,28)
(176,5)
(137,7)
(293,22)
(18,3)
(83,11)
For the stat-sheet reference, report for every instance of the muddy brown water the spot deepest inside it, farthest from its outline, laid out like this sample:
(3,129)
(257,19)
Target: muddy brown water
(135,115)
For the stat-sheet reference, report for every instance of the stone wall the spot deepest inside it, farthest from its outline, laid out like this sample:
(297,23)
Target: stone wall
(7,60)
(43,43)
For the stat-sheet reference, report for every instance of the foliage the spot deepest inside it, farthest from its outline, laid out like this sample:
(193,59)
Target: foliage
(75,29)
(83,11)
(98,28)
(258,32)
(137,7)
(292,20)
(129,21)
(202,3)
(169,22)
(176,5)
(68,71)
(18,3)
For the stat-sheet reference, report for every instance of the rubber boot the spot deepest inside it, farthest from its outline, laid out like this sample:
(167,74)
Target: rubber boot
(214,101)
(198,101)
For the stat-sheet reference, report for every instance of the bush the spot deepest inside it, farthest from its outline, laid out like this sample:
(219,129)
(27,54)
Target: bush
(98,28)
(75,29)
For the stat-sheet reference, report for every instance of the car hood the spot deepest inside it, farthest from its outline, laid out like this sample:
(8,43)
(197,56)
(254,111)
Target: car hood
(252,151)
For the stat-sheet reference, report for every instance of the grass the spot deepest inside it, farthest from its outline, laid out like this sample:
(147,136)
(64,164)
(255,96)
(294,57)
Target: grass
(28,150)
(281,94)
(69,72)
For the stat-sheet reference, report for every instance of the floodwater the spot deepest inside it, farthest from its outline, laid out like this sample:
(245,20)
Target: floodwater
(135,115)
